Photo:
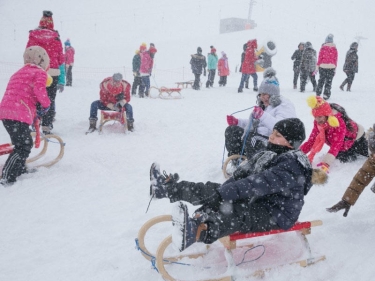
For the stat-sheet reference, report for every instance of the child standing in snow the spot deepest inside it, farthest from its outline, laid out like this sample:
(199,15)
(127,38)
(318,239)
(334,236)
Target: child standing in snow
(211,67)
(297,55)
(223,69)
(362,178)
(350,66)
(26,89)
(264,193)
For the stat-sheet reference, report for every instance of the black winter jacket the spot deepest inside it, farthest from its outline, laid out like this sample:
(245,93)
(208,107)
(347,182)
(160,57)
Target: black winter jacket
(351,61)
(280,185)
(297,55)
(198,63)
(308,60)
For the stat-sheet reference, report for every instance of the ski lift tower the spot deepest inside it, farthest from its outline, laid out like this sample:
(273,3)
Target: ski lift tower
(237,24)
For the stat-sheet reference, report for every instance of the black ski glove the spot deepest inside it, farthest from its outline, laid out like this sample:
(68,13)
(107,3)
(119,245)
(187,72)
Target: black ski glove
(339,206)
(120,96)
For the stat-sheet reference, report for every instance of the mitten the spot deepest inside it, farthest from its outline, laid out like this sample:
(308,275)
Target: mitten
(232,121)
(60,88)
(120,96)
(41,112)
(324,167)
(257,112)
(340,206)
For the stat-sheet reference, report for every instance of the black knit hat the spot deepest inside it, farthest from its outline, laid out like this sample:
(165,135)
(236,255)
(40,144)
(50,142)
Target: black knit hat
(293,130)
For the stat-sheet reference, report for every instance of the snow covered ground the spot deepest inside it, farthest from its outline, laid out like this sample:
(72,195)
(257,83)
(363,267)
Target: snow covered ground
(78,219)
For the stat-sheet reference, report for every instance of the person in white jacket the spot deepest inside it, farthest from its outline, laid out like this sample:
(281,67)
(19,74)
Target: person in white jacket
(270,108)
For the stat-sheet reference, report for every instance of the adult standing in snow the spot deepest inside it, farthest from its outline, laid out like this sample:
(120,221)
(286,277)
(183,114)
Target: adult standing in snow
(137,76)
(297,55)
(334,127)
(198,66)
(271,107)
(114,94)
(350,66)
(265,55)
(26,89)
(145,70)
(211,66)
(69,62)
(307,67)
(361,179)
(267,192)
(247,68)
(327,63)
(49,39)
(223,69)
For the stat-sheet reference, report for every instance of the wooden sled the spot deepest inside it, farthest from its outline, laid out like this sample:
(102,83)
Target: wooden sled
(185,84)
(8,148)
(167,93)
(109,115)
(160,260)
(231,163)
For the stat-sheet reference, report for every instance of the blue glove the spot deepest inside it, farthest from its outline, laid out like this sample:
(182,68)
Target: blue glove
(60,87)
(41,112)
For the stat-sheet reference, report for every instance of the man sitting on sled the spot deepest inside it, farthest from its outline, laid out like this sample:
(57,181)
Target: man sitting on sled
(266,192)
(114,94)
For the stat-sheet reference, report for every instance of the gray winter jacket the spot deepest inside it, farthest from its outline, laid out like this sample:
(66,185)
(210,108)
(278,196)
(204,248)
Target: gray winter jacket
(308,60)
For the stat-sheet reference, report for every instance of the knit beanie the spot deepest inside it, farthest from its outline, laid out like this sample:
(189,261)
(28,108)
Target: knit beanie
(67,43)
(270,86)
(371,140)
(46,21)
(36,55)
(354,45)
(117,77)
(329,38)
(322,108)
(292,130)
(143,47)
(199,50)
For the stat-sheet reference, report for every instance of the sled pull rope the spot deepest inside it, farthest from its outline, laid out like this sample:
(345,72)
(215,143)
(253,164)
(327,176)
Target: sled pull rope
(261,255)
(222,161)
(149,203)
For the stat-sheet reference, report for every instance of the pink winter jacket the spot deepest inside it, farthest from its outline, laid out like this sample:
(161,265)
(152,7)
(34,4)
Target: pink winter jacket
(50,41)
(146,63)
(327,56)
(223,67)
(26,87)
(69,56)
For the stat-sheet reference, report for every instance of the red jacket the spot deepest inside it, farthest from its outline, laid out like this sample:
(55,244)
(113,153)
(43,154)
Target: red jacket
(337,138)
(327,56)
(248,65)
(25,89)
(50,41)
(69,56)
(108,91)
(222,69)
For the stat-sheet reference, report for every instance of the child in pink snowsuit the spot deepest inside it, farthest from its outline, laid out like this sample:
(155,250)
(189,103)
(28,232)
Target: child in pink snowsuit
(18,109)
(223,69)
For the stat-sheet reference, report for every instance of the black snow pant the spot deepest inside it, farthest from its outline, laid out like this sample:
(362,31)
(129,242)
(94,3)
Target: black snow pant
(51,91)
(197,81)
(210,78)
(304,75)
(359,147)
(296,74)
(325,79)
(223,80)
(228,217)
(349,77)
(69,76)
(136,84)
(234,142)
(15,165)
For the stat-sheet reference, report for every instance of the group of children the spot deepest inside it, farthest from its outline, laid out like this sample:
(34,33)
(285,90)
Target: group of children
(307,64)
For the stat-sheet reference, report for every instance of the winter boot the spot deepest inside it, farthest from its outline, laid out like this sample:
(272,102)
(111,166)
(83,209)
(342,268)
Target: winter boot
(240,90)
(294,86)
(348,87)
(159,182)
(255,89)
(247,85)
(46,130)
(187,230)
(130,125)
(343,84)
(92,127)
(207,84)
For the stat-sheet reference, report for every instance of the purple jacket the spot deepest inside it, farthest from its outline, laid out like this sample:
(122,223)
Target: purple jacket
(25,89)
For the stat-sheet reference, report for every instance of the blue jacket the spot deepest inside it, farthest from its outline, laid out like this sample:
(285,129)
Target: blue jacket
(280,186)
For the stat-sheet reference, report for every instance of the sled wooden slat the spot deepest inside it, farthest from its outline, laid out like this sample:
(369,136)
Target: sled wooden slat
(109,115)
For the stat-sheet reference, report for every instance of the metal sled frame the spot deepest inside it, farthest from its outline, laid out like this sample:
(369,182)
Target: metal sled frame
(167,93)
(229,243)
(109,115)
(8,148)
(227,174)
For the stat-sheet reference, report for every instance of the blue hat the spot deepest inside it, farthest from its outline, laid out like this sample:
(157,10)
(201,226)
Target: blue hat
(67,43)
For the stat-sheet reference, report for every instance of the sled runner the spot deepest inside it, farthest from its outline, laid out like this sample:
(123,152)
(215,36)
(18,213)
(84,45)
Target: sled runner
(167,93)
(185,84)
(38,138)
(109,115)
(195,259)
(231,163)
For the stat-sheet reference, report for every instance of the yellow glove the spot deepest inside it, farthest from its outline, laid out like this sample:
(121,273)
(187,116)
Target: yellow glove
(49,80)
